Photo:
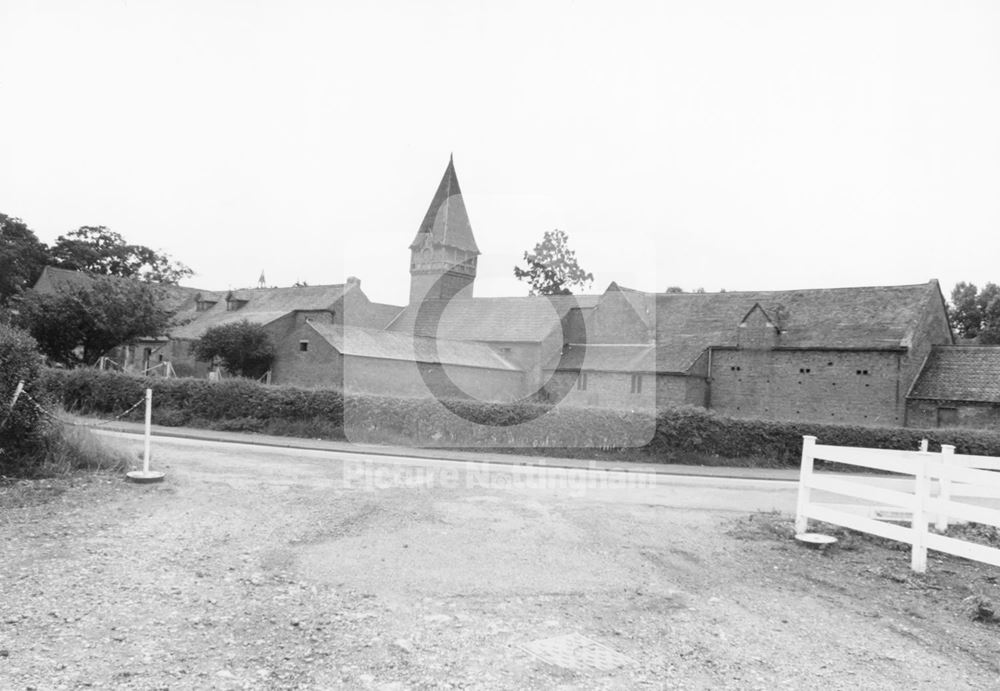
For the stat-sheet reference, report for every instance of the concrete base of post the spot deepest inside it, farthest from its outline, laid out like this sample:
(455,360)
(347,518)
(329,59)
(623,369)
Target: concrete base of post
(816,540)
(144,476)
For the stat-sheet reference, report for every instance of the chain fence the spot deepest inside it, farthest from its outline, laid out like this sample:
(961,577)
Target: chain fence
(44,412)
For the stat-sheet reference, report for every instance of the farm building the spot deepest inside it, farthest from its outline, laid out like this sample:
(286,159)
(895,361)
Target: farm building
(958,386)
(879,355)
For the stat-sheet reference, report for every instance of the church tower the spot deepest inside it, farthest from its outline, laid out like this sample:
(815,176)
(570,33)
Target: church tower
(443,255)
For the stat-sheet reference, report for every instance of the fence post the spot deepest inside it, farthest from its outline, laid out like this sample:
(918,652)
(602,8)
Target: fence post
(805,477)
(918,557)
(17,394)
(146,475)
(944,493)
(149,420)
(923,445)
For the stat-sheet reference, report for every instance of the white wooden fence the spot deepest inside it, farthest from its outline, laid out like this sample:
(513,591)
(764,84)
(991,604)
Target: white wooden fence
(956,475)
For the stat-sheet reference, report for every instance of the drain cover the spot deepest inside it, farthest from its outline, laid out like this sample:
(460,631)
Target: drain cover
(577,652)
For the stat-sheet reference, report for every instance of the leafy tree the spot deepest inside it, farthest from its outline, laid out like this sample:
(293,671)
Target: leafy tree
(98,250)
(674,289)
(244,349)
(79,324)
(552,268)
(976,312)
(22,257)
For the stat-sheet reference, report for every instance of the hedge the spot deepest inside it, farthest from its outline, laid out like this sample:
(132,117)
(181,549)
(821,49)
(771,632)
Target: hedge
(682,434)
(21,427)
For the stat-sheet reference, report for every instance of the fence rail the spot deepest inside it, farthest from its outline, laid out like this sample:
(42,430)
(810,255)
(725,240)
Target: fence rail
(955,475)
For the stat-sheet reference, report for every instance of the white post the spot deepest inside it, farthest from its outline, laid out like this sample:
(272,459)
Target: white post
(918,557)
(923,445)
(149,420)
(805,475)
(944,495)
(17,394)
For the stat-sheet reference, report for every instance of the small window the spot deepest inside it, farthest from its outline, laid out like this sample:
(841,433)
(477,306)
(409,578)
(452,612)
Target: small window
(581,381)
(303,346)
(636,383)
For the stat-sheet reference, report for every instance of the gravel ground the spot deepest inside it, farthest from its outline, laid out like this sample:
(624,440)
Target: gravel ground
(265,570)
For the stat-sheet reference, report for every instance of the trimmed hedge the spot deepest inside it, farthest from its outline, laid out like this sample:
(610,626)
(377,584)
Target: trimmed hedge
(683,434)
(690,429)
(183,401)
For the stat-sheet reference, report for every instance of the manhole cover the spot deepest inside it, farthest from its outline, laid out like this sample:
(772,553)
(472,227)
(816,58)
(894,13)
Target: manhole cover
(577,652)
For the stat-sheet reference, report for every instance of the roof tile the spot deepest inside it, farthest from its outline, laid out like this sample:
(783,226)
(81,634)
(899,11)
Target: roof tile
(960,373)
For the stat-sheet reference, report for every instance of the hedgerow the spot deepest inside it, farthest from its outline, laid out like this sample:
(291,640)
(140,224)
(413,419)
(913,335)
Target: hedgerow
(21,427)
(682,435)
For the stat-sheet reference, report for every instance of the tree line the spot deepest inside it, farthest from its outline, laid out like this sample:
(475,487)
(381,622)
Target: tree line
(93,249)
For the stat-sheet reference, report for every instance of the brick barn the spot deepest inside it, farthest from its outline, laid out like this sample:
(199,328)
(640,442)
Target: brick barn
(844,355)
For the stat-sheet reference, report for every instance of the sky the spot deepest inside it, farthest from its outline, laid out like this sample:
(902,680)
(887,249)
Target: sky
(713,144)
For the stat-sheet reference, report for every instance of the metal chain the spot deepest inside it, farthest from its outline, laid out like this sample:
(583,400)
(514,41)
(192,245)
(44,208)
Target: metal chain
(72,423)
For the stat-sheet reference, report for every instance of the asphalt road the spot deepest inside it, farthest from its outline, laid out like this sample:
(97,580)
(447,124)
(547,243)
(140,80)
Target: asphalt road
(372,472)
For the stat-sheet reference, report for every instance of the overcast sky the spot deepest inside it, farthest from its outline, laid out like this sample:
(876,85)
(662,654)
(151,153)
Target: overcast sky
(738,145)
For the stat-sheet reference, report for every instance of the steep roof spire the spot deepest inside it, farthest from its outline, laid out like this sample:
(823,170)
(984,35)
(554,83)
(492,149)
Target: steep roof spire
(447,221)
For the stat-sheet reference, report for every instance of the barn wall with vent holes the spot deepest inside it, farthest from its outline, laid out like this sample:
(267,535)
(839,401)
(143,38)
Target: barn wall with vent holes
(817,386)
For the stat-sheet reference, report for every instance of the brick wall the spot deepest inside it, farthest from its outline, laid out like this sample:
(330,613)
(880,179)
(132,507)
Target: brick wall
(928,414)
(604,389)
(679,389)
(319,366)
(401,378)
(818,386)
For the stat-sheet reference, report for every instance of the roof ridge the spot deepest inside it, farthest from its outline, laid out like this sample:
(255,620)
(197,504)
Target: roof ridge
(802,290)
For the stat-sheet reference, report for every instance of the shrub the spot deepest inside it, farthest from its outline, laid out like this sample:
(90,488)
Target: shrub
(245,349)
(21,427)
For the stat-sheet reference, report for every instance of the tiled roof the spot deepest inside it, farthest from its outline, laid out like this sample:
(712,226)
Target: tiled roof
(517,319)
(605,358)
(376,315)
(850,318)
(360,342)
(263,305)
(447,221)
(960,373)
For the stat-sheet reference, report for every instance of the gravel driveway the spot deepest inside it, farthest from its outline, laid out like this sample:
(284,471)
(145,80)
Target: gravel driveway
(264,569)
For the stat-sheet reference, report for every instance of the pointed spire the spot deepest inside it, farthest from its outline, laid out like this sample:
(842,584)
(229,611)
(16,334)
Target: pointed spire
(447,222)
